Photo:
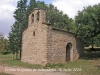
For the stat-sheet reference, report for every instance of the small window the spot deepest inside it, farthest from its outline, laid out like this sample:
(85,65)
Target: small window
(34,33)
(38,15)
(32,18)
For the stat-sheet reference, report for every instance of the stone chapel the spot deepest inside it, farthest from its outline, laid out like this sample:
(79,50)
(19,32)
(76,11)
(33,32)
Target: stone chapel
(43,44)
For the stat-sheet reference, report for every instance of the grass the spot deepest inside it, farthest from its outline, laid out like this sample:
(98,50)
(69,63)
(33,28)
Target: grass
(5,74)
(7,60)
(87,67)
(89,64)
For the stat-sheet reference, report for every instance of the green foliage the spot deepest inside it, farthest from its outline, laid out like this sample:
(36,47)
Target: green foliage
(56,18)
(88,24)
(31,6)
(97,40)
(21,21)
(3,44)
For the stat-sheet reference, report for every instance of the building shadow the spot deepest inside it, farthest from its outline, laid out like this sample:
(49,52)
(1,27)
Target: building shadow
(91,54)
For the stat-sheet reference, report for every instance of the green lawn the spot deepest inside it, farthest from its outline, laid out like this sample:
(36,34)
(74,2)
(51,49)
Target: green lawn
(7,60)
(88,64)
(5,74)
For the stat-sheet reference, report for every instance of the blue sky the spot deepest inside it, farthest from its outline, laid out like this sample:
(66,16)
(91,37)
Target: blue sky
(69,7)
(46,1)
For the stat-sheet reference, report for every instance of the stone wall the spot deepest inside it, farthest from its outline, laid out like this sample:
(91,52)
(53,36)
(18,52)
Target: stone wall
(34,46)
(34,41)
(58,40)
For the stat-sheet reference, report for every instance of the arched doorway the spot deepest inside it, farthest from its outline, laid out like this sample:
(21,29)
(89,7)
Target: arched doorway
(68,49)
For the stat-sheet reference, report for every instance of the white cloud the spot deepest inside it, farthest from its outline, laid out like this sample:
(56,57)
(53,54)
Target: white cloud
(7,7)
(70,7)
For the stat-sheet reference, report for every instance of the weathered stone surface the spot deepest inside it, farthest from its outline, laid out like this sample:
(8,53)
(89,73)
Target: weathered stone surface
(43,44)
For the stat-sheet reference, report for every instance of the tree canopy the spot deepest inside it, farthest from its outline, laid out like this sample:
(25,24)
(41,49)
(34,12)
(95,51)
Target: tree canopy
(88,24)
(15,36)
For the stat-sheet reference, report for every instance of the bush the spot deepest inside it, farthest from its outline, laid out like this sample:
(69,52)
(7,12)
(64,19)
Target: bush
(5,52)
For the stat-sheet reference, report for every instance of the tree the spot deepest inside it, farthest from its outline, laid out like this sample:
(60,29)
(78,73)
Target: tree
(1,36)
(55,17)
(31,6)
(88,24)
(3,44)
(15,36)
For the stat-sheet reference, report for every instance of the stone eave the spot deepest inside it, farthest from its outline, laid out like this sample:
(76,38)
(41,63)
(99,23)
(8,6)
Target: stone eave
(58,29)
(36,9)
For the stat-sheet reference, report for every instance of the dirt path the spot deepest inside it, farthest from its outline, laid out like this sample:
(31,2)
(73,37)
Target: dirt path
(24,71)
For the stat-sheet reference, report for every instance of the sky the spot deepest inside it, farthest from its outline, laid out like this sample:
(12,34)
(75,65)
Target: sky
(69,7)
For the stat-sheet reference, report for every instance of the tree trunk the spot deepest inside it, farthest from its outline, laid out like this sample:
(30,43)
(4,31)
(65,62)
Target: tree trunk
(20,54)
(21,46)
(16,55)
(12,56)
(92,42)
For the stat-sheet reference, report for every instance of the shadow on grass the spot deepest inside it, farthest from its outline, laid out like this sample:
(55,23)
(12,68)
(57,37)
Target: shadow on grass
(91,55)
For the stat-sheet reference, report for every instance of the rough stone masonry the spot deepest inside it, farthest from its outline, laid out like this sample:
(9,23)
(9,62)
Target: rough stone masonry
(43,44)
